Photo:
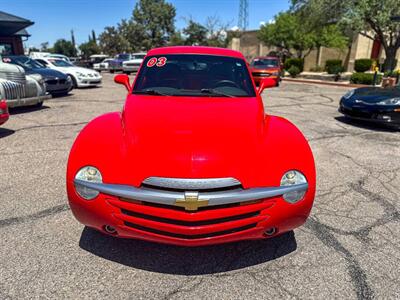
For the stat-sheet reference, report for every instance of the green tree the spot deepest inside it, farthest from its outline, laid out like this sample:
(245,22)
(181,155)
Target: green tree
(64,47)
(155,20)
(176,39)
(73,41)
(94,37)
(113,42)
(44,46)
(290,31)
(371,18)
(132,33)
(89,48)
(196,34)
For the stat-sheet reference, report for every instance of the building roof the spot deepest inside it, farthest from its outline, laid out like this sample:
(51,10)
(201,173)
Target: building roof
(195,50)
(10,24)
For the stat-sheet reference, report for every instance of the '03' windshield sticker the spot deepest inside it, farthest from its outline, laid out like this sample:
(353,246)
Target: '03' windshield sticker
(159,62)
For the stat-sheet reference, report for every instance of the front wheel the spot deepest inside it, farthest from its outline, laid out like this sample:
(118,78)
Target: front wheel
(74,82)
(112,71)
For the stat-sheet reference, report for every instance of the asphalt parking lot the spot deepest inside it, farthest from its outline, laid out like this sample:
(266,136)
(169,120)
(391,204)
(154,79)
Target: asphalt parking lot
(349,248)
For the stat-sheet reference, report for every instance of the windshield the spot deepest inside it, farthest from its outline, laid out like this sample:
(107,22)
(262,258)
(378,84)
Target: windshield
(138,56)
(194,75)
(60,63)
(24,62)
(264,62)
(123,56)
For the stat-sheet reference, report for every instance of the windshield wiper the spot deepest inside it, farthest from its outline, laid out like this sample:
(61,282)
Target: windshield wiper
(215,92)
(150,92)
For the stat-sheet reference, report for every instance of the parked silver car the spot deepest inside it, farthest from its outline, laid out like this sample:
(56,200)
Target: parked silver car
(19,89)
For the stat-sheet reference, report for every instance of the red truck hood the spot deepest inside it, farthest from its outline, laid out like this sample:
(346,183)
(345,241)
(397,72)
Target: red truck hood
(191,136)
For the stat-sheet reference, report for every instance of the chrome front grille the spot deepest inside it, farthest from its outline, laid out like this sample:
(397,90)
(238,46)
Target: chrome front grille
(13,90)
(14,76)
(186,184)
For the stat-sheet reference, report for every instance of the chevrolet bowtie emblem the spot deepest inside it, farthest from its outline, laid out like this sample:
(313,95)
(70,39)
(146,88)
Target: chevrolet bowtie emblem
(191,201)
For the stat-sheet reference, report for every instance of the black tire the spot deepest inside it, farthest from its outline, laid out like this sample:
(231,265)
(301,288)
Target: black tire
(39,104)
(112,71)
(74,82)
(127,73)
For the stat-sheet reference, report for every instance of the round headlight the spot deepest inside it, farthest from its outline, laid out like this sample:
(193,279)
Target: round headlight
(89,174)
(293,177)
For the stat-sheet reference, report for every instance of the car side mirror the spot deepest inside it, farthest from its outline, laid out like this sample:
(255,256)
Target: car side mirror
(124,80)
(265,84)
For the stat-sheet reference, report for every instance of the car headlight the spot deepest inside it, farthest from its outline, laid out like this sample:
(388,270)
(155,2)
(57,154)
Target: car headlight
(89,174)
(391,101)
(349,94)
(80,74)
(290,178)
(275,74)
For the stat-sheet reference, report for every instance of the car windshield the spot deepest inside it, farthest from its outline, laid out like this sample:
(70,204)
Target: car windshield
(264,62)
(194,75)
(138,56)
(24,62)
(123,56)
(60,63)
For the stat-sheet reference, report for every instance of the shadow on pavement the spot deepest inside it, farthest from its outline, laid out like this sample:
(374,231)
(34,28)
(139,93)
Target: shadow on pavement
(367,125)
(26,109)
(5,132)
(186,260)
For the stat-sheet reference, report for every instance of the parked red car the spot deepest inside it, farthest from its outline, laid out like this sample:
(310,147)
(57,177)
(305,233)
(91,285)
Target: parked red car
(4,115)
(192,159)
(268,66)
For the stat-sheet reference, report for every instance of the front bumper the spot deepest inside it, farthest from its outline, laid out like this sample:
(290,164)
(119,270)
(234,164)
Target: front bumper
(26,101)
(372,114)
(58,87)
(171,224)
(86,82)
(258,78)
(131,68)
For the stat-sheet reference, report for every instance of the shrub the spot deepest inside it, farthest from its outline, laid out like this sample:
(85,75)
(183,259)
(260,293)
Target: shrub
(363,64)
(334,66)
(365,78)
(294,71)
(297,62)
(392,74)
(317,68)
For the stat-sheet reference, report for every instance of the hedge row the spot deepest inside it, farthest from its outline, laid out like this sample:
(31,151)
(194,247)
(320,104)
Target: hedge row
(365,78)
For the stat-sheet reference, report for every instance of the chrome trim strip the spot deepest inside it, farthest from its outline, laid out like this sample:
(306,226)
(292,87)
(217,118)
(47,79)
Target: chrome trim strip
(191,183)
(169,197)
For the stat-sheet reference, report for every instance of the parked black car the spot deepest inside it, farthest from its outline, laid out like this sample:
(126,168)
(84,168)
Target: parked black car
(57,83)
(374,104)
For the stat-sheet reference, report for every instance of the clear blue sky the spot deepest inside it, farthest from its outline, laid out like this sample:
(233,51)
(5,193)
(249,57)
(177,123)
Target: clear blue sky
(55,18)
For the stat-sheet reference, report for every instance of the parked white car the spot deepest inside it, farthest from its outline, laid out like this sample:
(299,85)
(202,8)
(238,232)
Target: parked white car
(102,66)
(133,65)
(81,77)
(36,55)
(19,89)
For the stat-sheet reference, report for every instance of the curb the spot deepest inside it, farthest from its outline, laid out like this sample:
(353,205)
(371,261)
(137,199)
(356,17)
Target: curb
(344,85)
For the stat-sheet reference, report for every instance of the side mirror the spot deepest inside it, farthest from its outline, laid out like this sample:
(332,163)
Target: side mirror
(124,80)
(266,83)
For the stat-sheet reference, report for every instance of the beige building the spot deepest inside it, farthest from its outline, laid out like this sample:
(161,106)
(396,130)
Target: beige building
(361,47)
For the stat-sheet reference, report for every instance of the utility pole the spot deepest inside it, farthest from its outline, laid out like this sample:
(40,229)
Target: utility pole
(243,21)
